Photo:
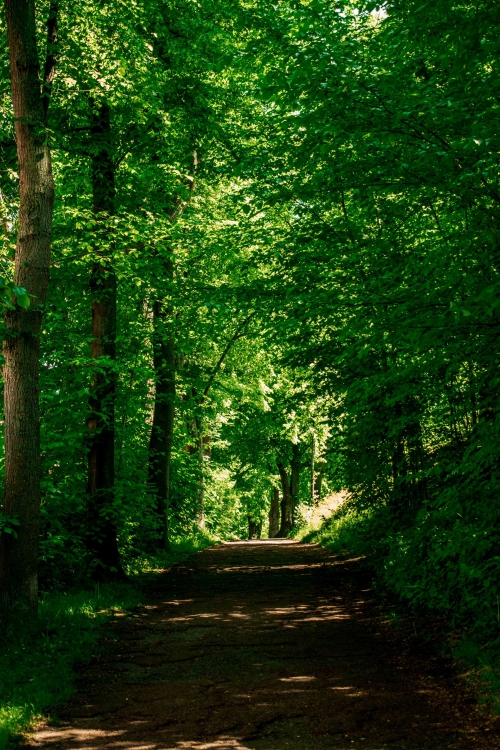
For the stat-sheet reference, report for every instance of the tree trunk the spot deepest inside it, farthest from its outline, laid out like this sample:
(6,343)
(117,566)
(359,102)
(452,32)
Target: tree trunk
(313,451)
(274,513)
(162,431)
(19,556)
(318,480)
(103,540)
(164,363)
(294,479)
(200,511)
(254,528)
(286,503)
(197,446)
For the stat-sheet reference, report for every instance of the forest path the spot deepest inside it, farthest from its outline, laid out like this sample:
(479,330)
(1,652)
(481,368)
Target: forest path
(267,645)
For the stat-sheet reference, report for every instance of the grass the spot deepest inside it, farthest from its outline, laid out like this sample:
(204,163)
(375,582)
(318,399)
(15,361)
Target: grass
(481,663)
(39,657)
(179,550)
(333,524)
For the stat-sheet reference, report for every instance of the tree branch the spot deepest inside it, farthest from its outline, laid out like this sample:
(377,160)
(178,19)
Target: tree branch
(224,354)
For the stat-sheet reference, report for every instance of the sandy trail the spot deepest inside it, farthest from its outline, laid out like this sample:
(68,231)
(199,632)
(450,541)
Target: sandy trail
(265,646)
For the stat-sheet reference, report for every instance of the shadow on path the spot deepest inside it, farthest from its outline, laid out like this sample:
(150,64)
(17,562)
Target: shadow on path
(268,645)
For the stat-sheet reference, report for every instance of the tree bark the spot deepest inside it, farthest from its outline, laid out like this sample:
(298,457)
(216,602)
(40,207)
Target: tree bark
(294,479)
(274,513)
(164,364)
(313,456)
(196,446)
(254,528)
(318,480)
(162,431)
(286,503)
(19,556)
(103,540)
(200,511)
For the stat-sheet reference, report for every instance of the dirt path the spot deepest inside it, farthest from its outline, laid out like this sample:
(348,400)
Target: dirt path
(265,646)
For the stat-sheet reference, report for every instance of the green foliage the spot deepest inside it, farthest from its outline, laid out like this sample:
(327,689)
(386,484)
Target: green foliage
(10,294)
(9,524)
(384,124)
(306,207)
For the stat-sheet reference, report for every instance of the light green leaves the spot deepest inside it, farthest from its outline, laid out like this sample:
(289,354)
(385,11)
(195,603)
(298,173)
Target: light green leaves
(22,297)
(10,294)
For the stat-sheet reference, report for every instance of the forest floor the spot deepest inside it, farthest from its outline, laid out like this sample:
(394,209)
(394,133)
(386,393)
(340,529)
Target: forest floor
(272,645)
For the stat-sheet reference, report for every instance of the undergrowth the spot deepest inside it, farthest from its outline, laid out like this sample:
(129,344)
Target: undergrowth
(443,569)
(180,548)
(39,657)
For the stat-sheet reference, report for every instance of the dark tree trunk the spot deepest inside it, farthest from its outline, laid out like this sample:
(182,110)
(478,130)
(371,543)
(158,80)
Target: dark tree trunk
(313,456)
(254,528)
(286,503)
(408,462)
(294,479)
(102,532)
(164,363)
(274,513)
(162,432)
(19,556)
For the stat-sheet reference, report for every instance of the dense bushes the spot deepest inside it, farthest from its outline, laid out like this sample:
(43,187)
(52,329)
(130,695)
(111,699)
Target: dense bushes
(442,563)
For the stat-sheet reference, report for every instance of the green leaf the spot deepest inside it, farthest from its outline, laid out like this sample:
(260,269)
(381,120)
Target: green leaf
(23,301)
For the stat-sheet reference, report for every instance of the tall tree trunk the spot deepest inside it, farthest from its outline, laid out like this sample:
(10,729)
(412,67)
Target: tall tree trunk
(101,420)
(200,511)
(254,528)
(274,513)
(19,556)
(162,432)
(286,503)
(196,446)
(313,456)
(164,364)
(294,479)
(318,480)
